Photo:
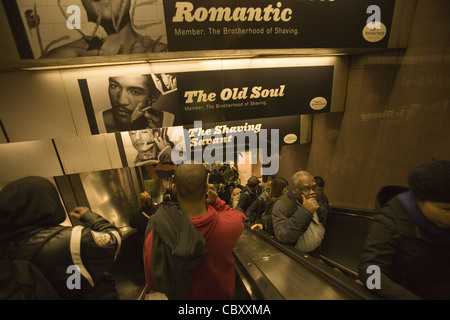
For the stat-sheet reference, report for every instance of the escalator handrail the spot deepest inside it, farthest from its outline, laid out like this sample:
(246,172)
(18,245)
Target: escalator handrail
(351,287)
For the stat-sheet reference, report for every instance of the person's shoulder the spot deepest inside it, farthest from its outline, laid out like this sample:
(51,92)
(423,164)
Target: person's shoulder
(245,190)
(392,215)
(232,216)
(278,204)
(393,209)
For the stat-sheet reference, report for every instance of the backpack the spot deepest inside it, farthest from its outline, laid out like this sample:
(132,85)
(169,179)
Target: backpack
(20,278)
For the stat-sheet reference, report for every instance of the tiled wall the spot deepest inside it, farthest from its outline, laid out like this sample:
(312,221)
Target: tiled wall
(397,114)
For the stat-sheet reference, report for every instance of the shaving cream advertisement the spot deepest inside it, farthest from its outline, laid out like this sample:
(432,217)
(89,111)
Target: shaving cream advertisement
(226,95)
(237,24)
(139,101)
(83,28)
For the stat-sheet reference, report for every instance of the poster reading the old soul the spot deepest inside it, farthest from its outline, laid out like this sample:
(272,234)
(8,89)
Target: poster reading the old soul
(140,101)
(79,28)
(225,95)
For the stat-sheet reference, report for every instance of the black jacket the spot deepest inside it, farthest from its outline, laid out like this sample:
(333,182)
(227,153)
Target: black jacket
(32,204)
(256,209)
(414,264)
(139,220)
(291,220)
(247,197)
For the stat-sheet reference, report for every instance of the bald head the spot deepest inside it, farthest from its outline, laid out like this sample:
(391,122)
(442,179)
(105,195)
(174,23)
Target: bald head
(191,182)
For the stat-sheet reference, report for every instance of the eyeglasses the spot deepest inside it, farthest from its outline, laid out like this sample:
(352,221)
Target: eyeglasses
(307,189)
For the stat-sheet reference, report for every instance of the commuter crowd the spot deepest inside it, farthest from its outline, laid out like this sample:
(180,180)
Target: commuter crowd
(187,240)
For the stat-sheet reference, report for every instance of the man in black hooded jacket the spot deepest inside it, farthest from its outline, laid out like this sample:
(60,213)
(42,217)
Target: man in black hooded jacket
(30,206)
(407,251)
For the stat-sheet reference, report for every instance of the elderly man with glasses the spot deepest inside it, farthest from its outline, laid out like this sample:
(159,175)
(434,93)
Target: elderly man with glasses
(299,216)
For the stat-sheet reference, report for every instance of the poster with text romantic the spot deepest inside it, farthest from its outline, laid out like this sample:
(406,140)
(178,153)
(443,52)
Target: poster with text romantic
(83,28)
(236,24)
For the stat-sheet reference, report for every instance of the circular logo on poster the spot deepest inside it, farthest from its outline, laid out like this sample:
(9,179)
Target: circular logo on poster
(373,34)
(290,138)
(318,103)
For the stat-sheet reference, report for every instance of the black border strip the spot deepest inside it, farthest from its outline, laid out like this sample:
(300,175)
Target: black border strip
(4,131)
(18,29)
(123,156)
(88,105)
(59,158)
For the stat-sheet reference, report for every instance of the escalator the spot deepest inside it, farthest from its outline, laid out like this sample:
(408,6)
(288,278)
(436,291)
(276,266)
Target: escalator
(269,270)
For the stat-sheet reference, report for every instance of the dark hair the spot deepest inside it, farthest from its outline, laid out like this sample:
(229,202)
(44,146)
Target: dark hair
(431,181)
(154,93)
(319,181)
(277,186)
(190,182)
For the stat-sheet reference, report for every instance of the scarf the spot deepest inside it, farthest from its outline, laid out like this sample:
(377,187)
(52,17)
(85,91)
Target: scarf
(408,201)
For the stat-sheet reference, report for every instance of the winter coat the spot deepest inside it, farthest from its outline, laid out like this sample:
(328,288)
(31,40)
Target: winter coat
(32,204)
(412,254)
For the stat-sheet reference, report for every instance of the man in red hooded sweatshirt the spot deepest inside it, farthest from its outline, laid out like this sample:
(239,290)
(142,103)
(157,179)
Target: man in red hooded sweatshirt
(189,252)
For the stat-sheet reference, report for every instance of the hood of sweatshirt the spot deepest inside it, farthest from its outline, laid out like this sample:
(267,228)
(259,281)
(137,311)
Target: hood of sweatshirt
(29,204)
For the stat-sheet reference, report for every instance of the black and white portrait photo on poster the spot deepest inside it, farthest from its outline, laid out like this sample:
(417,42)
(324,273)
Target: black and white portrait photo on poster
(130,102)
(151,146)
(78,28)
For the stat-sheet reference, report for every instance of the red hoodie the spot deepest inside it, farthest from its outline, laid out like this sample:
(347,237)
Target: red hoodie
(221,227)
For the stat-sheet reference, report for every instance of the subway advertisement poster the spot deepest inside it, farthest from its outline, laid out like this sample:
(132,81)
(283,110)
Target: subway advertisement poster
(75,28)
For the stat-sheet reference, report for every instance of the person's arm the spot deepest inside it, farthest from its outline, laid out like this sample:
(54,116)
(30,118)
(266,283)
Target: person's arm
(379,251)
(279,219)
(94,221)
(252,210)
(242,201)
(95,246)
(213,200)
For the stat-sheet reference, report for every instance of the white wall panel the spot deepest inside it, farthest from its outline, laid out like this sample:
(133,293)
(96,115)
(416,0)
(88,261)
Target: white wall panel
(113,151)
(88,153)
(21,159)
(2,137)
(34,106)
